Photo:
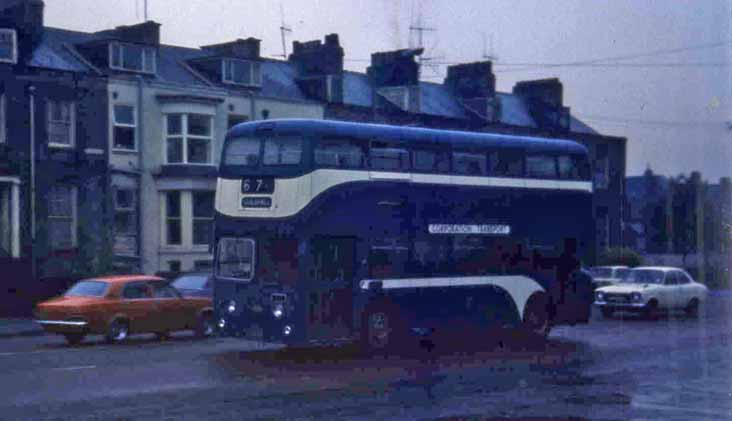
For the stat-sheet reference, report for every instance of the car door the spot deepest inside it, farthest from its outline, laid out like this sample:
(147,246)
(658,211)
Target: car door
(674,290)
(171,309)
(665,291)
(138,306)
(687,289)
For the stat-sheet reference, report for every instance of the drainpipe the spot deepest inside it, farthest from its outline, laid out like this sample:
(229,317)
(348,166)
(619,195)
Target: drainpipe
(141,155)
(32,104)
(252,108)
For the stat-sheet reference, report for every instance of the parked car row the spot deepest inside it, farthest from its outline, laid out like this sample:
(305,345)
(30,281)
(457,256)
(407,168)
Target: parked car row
(117,306)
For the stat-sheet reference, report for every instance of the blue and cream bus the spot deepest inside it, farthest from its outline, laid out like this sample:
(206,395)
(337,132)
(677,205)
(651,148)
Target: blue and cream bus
(331,230)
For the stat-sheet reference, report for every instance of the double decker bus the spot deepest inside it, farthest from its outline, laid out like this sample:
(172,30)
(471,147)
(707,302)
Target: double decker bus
(328,231)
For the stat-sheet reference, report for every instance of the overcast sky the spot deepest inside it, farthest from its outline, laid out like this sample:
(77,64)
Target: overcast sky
(674,107)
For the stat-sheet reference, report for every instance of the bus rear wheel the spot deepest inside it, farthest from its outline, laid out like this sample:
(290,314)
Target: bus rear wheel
(536,316)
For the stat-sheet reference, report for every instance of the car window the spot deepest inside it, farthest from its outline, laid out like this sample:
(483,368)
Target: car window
(621,273)
(191,282)
(671,278)
(161,290)
(87,289)
(682,278)
(136,290)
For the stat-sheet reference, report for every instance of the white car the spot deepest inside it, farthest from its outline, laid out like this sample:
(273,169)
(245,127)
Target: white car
(650,290)
(608,275)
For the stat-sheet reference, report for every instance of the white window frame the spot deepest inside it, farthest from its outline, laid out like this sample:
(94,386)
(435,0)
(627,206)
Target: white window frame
(14,37)
(255,77)
(195,218)
(74,217)
(3,119)
(166,218)
(133,126)
(183,138)
(129,210)
(71,122)
(147,68)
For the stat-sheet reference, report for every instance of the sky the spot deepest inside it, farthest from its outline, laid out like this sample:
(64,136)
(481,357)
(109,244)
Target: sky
(658,72)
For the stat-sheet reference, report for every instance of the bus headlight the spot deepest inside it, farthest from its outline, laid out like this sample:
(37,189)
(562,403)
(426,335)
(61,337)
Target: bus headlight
(222,323)
(231,307)
(278,311)
(287,330)
(600,296)
(636,297)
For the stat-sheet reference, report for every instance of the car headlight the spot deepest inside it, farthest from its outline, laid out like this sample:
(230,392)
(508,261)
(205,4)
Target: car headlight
(278,311)
(636,297)
(600,296)
(231,307)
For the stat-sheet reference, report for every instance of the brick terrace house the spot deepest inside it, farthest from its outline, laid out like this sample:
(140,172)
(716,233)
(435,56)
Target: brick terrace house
(53,160)
(390,92)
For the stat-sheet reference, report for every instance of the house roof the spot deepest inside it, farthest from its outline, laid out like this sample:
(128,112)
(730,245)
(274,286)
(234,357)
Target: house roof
(279,79)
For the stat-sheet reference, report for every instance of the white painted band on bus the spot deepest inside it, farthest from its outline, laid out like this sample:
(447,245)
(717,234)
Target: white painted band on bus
(291,195)
(519,287)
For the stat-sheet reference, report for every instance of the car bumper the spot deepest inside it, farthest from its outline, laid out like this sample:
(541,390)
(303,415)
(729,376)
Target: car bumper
(63,326)
(621,306)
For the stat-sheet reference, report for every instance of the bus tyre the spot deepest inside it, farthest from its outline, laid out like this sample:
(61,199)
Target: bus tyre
(536,316)
(74,339)
(382,329)
(205,326)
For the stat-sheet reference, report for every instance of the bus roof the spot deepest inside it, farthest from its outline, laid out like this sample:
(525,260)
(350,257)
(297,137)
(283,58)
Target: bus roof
(408,134)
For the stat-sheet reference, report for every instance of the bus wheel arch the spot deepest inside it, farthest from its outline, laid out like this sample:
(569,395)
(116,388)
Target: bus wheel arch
(536,315)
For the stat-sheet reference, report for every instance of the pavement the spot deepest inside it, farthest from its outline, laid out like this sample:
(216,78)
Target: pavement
(19,327)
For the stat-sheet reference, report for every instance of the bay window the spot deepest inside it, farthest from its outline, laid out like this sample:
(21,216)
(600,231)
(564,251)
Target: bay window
(203,213)
(8,46)
(125,222)
(189,139)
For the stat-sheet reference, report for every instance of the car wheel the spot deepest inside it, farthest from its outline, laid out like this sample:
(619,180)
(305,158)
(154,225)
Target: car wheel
(692,309)
(162,336)
(74,338)
(651,311)
(117,331)
(607,312)
(536,316)
(381,329)
(205,326)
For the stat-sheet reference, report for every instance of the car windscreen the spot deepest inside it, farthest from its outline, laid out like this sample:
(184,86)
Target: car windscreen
(190,282)
(602,272)
(87,289)
(645,276)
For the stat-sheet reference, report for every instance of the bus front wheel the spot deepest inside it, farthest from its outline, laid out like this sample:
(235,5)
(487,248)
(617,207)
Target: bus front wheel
(382,329)
(536,316)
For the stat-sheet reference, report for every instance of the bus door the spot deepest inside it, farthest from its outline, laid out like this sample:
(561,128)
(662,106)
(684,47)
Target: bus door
(330,292)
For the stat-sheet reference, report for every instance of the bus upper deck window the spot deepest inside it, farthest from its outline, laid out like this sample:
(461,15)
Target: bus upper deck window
(431,161)
(541,166)
(567,168)
(509,163)
(338,153)
(582,165)
(235,258)
(469,163)
(383,156)
(282,151)
(242,151)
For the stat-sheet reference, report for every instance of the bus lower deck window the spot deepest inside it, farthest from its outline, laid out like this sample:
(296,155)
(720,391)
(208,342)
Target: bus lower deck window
(236,258)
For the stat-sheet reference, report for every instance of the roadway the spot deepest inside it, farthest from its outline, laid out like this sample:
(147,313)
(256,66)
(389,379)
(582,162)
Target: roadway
(673,368)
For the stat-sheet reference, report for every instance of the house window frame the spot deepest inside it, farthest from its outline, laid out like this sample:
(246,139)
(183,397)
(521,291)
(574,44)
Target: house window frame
(14,36)
(202,219)
(255,72)
(133,126)
(151,70)
(72,123)
(184,136)
(74,217)
(132,209)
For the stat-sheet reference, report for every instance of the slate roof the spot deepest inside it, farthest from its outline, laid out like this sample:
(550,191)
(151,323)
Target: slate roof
(56,51)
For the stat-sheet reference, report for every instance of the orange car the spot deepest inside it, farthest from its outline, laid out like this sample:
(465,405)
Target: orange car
(117,306)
